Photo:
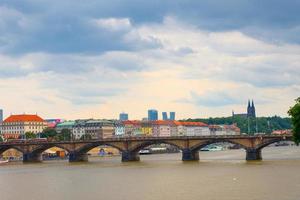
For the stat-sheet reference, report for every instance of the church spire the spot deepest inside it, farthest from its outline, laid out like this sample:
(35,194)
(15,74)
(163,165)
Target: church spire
(253,109)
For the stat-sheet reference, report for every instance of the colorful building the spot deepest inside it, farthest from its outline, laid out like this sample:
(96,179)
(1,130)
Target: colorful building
(133,128)
(146,127)
(119,128)
(164,128)
(53,122)
(64,125)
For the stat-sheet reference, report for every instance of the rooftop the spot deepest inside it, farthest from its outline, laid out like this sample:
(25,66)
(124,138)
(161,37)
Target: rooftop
(23,118)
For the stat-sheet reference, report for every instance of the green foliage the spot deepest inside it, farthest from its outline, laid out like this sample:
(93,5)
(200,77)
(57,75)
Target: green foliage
(251,125)
(64,135)
(1,139)
(48,133)
(30,135)
(294,112)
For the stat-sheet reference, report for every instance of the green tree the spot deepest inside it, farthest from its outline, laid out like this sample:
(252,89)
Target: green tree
(64,135)
(250,125)
(30,135)
(48,133)
(294,112)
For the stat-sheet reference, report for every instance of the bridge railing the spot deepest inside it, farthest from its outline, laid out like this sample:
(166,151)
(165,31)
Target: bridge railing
(134,138)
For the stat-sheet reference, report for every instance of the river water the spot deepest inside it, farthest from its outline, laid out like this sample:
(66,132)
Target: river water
(218,175)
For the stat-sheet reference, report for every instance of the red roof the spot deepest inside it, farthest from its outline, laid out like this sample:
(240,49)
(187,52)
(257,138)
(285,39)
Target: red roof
(190,123)
(132,122)
(23,118)
(162,122)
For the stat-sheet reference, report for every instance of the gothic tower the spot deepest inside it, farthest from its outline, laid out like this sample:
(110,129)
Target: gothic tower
(253,114)
(249,109)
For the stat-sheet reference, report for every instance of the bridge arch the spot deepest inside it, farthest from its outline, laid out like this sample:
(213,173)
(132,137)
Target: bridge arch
(3,149)
(201,145)
(41,148)
(268,142)
(86,148)
(142,145)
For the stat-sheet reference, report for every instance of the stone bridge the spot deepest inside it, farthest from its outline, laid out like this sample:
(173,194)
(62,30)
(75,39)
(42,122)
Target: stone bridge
(130,146)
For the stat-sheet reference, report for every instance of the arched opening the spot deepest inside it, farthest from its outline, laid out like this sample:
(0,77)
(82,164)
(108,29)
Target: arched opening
(157,147)
(279,149)
(50,152)
(11,154)
(155,150)
(220,150)
(96,151)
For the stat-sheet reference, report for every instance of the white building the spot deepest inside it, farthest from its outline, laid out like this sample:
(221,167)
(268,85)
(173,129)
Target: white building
(15,126)
(192,128)
(224,129)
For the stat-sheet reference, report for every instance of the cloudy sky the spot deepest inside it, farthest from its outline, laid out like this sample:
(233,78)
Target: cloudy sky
(99,58)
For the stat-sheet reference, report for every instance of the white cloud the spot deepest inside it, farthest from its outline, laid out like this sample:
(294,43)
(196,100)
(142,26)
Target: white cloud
(224,68)
(113,24)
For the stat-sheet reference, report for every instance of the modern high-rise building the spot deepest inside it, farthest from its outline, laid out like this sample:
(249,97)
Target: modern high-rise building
(123,116)
(164,115)
(1,115)
(172,116)
(152,115)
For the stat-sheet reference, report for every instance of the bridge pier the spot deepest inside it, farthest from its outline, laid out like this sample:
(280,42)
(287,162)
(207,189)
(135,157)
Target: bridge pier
(253,154)
(32,157)
(78,157)
(130,156)
(189,155)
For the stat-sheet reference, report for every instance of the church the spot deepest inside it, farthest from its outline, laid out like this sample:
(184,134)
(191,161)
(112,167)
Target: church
(250,111)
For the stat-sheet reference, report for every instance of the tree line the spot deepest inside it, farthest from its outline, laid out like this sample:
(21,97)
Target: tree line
(250,125)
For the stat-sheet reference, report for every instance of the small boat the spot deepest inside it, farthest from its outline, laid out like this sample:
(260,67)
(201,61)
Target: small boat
(212,148)
(144,151)
(3,161)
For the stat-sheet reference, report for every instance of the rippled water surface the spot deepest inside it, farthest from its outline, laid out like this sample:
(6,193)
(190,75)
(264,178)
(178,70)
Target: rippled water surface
(219,175)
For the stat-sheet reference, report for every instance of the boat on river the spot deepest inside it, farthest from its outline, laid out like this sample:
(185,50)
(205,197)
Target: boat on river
(144,151)
(3,161)
(212,148)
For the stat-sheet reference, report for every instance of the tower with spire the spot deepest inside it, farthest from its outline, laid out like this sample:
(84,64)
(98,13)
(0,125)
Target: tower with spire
(251,109)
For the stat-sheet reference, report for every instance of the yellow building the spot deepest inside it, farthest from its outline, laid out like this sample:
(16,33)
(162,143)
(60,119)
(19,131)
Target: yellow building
(147,131)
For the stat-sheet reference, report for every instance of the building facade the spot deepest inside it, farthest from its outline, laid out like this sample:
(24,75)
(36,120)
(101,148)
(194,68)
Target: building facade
(15,126)
(224,130)
(64,125)
(146,127)
(119,128)
(192,128)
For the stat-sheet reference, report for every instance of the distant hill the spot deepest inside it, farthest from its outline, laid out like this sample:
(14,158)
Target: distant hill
(262,124)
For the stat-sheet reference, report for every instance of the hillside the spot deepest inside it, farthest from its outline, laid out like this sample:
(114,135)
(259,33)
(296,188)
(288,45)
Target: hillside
(262,124)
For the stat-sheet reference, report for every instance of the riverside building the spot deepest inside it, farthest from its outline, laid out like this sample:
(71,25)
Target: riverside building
(15,126)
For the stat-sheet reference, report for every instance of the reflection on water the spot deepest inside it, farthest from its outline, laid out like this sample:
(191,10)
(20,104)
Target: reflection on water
(219,175)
